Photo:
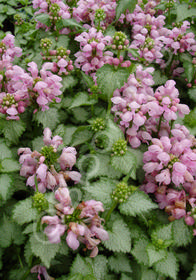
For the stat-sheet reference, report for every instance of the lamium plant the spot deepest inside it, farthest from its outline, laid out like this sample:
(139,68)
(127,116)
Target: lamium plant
(98,147)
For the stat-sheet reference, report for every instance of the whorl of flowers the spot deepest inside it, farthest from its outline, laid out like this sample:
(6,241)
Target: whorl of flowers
(45,87)
(170,168)
(86,10)
(92,55)
(82,224)
(56,9)
(14,81)
(140,113)
(41,166)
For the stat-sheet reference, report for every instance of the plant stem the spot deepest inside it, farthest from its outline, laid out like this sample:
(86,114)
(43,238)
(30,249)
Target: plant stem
(159,126)
(109,106)
(36,184)
(115,203)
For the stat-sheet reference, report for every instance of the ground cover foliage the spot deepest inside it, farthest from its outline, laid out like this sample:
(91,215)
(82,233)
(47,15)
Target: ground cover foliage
(97,148)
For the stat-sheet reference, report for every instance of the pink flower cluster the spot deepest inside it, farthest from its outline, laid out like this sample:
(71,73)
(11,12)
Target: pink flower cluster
(8,50)
(13,80)
(146,34)
(177,40)
(40,166)
(83,223)
(45,87)
(85,10)
(92,55)
(140,112)
(20,89)
(170,171)
(56,9)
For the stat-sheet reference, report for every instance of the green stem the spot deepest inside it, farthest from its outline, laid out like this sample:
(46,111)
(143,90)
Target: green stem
(159,126)
(36,184)
(109,106)
(171,126)
(118,54)
(169,13)
(20,261)
(126,178)
(26,274)
(115,203)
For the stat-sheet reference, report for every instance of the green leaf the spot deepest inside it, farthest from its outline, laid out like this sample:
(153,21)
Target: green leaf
(119,263)
(29,229)
(48,118)
(182,234)
(43,18)
(107,137)
(125,277)
(88,79)
(109,79)
(63,41)
(38,143)
(139,251)
(42,248)
(154,254)
(148,274)
(24,213)
(189,70)
(81,265)
(10,232)
(183,12)
(68,82)
(124,5)
(10,11)
(5,152)
(100,267)
(168,266)
(77,276)
(6,190)
(80,114)
(134,52)
(97,165)
(82,99)
(163,232)
(65,132)
(125,163)
(119,237)
(9,165)
(12,130)
(192,93)
(28,252)
(159,78)
(137,204)
(81,135)
(101,190)
(72,23)
(193,273)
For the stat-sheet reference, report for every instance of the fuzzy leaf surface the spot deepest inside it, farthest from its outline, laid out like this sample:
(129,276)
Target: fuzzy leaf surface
(139,251)
(24,213)
(137,204)
(155,255)
(119,263)
(193,273)
(6,189)
(182,234)
(42,248)
(125,163)
(168,266)
(119,237)
(81,135)
(82,99)
(124,5)
(109,79)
